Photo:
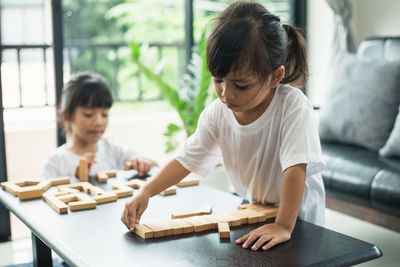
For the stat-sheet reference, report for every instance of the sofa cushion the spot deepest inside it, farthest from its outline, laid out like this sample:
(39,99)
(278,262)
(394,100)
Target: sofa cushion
(385,191)
(392,146)
(362,176)
(361,101)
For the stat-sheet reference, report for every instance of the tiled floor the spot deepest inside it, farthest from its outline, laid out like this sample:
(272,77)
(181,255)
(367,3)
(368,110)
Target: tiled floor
(19,250)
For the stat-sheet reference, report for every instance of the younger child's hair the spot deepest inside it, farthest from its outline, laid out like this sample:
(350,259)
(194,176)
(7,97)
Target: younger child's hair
(84,89)
(247,35)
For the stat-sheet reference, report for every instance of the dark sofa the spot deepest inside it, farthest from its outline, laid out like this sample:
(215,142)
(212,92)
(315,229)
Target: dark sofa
(360,175)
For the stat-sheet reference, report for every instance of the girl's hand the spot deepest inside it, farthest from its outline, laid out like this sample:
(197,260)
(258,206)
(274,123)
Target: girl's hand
(135,208)
(90,158)
(142,165)
(269,234)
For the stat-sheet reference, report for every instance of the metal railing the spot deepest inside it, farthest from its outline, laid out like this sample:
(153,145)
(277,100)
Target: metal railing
(71,55)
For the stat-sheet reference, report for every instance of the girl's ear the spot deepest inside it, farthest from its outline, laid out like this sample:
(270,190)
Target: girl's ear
(277,76)
(66,117)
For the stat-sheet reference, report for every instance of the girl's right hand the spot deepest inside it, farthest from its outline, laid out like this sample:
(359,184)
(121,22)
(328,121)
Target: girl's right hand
(91,159)
(135,208)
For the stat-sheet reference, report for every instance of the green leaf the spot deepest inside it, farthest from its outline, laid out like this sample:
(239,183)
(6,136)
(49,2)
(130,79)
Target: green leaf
(135,51)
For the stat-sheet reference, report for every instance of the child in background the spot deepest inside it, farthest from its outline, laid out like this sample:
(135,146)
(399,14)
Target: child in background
(262,127)
(85,104)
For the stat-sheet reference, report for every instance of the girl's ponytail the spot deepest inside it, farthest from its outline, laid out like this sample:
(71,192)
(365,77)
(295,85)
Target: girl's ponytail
(296,69)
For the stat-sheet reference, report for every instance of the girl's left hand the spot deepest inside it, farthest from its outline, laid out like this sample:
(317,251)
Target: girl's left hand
(142,165)
(269,234)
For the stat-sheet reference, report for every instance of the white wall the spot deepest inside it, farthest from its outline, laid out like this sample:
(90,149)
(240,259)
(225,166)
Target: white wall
(370,18)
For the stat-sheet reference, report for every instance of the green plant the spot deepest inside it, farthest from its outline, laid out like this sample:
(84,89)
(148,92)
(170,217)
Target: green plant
(189,98)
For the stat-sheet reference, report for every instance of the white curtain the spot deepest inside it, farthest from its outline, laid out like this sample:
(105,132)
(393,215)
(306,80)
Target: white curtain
(343,37)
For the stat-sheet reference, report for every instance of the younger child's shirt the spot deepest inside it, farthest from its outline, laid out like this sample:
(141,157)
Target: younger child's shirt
(63,162)
(256,155)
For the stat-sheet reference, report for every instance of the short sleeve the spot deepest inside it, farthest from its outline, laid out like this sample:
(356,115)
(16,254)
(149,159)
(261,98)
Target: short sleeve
(200,153)
(300,142)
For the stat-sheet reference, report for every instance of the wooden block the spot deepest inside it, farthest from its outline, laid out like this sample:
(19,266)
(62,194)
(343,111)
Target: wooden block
(223,230)
(55,203)
(77,186)
(28,182)
(231,220)
(85,187)
(95,190)
(206,209)
(180,215)
(83,170)
(143,231)
(136,183)
(169,191)
(212,219)
(81,205)
(68,198)
(105,197)
(128,165)
(187,227)
(122,190)
(198,224)
(111,173)
(176,227)
(254,216)
(157,229)
(188,181)
(101,177)
(10,187)
(46,184)
(242,214)
(68,190)
(59,181)
(30,192)
(168,227)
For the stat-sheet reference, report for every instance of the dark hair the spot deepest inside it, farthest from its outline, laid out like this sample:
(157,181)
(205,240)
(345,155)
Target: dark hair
(84,89)
(247,34)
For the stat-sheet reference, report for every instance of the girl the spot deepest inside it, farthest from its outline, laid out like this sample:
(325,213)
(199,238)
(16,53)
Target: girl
(85,104)
(261,126)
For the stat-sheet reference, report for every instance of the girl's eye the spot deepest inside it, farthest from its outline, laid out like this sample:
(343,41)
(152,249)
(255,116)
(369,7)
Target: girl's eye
(105,115)
(87,115)
(242,87)
(217,81)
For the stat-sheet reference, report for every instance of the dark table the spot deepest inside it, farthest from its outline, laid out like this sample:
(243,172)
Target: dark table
(98,238)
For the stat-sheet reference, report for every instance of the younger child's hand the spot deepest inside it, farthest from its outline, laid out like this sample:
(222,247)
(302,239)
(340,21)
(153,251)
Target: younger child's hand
(91,159)
(142,165)
(268,236)
(135,208)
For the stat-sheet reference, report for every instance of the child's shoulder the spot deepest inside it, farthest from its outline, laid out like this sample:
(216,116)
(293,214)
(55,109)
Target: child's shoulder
(60,153)
(293,97)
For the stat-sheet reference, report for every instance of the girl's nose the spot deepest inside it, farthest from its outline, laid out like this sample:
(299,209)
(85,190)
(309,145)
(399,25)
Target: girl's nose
(227,91)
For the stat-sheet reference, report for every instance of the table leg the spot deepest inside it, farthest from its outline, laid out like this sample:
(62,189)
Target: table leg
(41,253)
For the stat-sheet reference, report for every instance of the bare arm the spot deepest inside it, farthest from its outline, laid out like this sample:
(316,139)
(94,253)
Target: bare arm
(290,199)
(171,174)
(291,195)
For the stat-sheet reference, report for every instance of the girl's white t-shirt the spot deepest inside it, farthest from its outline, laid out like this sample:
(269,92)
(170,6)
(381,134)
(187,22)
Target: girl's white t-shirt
(256,155)
(109,156)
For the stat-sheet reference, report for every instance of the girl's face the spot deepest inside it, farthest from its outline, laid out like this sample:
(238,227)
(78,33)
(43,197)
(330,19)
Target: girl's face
(89,124)
(245,94)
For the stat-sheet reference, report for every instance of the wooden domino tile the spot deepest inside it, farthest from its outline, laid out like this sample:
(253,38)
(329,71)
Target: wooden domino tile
(143,231)
(55,203)
(83,170)
(188,181)
(223,230)
(101,177)
(169,191)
